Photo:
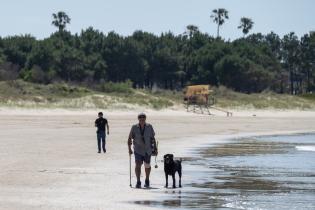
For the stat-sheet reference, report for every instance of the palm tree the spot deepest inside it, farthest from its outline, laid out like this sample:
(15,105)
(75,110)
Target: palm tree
(61,19)
(191,30)
(219,16)
(246,25)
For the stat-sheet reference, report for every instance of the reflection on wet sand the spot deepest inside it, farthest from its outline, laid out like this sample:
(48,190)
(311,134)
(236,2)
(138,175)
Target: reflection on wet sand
(245,147)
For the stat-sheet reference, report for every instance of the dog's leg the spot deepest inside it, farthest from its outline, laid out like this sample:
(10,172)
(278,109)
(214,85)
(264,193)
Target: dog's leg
(180,178)
(174,181)
(166,180)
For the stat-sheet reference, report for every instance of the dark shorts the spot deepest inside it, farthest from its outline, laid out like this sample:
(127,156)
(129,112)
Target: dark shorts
(146,158)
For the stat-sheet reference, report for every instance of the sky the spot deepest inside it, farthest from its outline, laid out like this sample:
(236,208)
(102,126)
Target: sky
(156,16)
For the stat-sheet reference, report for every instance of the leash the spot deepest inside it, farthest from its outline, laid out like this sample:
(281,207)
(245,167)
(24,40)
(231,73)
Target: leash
(130,170)
(157,148)
(156,165)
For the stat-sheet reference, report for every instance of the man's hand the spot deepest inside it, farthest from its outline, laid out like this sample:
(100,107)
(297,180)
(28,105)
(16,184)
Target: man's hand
(130,152)
(155,152)
(129,142)
(155,146)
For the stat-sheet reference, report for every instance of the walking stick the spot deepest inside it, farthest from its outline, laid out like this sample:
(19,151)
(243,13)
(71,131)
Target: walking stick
(130,170)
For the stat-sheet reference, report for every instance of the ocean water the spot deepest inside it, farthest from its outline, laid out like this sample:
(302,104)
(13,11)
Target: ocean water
(274,172)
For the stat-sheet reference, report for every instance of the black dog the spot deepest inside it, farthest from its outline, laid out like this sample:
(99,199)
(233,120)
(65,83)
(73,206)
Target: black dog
(172,166)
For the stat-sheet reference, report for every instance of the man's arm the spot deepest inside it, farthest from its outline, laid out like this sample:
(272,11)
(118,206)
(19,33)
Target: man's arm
(129,142)
(155,148)
(107,128)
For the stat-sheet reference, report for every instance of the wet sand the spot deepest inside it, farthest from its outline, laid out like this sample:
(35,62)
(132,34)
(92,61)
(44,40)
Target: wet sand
(267,172)
(49,159)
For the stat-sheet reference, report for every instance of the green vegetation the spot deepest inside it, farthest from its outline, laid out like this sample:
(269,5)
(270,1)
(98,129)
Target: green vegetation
(120,87)
(309,96)
(246,24)
(265,100)
(19,93)
(251,64)
(97,70)
(219,16)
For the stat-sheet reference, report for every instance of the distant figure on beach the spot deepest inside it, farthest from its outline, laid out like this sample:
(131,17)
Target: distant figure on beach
(142,136)
(101,123)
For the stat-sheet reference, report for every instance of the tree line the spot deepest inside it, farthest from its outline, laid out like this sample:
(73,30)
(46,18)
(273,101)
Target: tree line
(252,63)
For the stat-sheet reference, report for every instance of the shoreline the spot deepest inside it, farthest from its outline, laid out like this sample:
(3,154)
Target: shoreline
(235,171)
(221,139)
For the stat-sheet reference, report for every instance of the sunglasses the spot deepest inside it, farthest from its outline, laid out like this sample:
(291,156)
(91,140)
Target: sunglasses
(141,117)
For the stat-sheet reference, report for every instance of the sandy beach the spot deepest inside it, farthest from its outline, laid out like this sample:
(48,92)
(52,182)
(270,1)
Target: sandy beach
(49,158)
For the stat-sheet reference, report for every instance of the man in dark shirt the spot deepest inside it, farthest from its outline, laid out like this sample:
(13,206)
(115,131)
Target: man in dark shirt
(101,123)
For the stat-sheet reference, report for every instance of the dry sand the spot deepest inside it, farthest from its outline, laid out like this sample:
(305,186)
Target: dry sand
(48,158)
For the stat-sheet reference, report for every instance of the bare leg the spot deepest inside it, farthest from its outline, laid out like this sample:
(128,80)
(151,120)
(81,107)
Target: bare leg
(147,173)
(138,170)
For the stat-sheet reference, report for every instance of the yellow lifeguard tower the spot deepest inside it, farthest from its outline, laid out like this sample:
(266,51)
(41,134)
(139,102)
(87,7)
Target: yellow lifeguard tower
(202,97)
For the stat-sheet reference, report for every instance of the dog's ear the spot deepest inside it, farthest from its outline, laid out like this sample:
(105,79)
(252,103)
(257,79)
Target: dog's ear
(171,156)
(165,156)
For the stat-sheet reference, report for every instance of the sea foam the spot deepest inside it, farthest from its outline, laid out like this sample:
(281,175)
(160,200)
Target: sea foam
(306,148)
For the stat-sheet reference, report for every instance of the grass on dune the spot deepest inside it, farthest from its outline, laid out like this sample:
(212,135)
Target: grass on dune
(122,96)
(265,100)
(19,93)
